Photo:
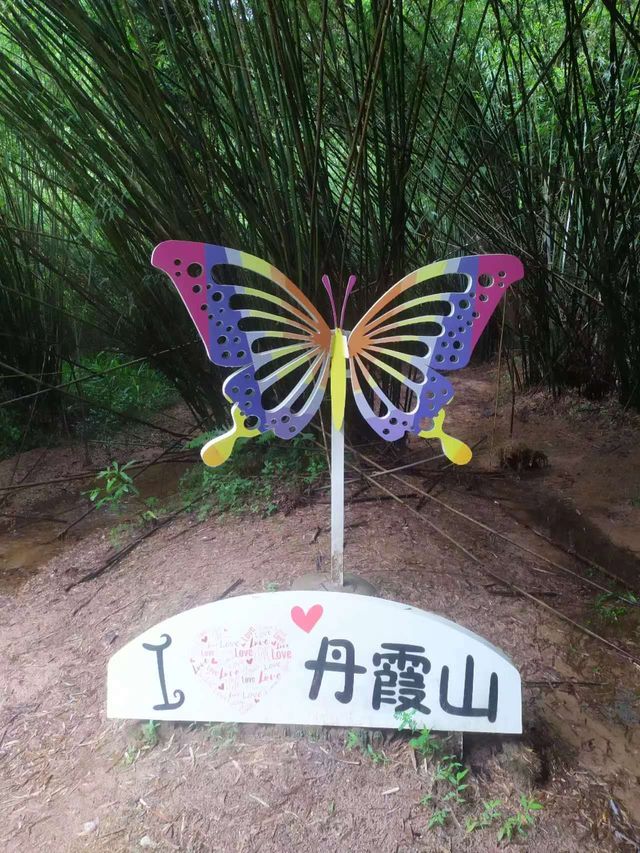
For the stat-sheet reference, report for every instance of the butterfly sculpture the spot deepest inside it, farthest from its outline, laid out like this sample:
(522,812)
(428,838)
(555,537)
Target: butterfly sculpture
(286,354)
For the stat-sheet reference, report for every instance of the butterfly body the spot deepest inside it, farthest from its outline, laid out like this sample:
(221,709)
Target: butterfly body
(286,354)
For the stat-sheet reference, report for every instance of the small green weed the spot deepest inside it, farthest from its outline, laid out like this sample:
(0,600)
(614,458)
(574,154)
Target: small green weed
(357,739)
(271,586)
(438,818)
(426,744)
(519,823)
(610,608)
(223,735)
(353,740)
(489,815)
(150,737)
(114,488)
(453,773)
(146,739)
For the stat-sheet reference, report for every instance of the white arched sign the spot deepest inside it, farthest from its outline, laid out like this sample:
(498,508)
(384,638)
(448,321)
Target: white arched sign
(315,658)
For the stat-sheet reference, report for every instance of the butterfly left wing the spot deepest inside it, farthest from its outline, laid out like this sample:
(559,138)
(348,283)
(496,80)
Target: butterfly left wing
(409,332)
(273,334)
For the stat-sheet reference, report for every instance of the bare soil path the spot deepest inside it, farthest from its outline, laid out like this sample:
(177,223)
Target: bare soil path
(71,780)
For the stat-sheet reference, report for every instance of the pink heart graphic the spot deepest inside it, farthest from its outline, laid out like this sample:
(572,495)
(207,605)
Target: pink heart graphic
(307,621)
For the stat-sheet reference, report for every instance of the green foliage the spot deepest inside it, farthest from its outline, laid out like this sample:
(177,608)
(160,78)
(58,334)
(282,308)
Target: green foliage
(113,485)
(453,773)
(258,474)
(489,815)
(610,608)
(109,380)
(519,823)
(438,818)
(374,139)
(426,744)
(223,735)
(357,739)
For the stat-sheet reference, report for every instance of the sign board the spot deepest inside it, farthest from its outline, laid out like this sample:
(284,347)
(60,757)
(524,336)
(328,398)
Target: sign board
(315,658)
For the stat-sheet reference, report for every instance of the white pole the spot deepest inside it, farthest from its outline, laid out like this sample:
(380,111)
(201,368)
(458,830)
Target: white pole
(337,504)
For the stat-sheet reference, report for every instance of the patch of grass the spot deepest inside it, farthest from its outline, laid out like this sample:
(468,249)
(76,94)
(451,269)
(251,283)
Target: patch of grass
(260,474)
(426,744)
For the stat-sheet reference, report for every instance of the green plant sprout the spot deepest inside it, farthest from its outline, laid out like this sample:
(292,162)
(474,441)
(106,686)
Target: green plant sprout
(490,814)
(117,486)
(519,823)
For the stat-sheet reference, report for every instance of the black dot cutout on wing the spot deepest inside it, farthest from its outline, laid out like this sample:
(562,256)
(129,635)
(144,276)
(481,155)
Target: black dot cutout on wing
(292,429)
(483,297)
(208,287)
(178,275)
(203,307)
(457,344)
(458,316)
(501,273)
(217,296)
(196,288)
(247,376)
(177,262)
(218,322)
(451,334)
(210,316)
(285,419)
(235,390)
(439,358)
(430,395)
(241,353)
(385,431)
(247,404)
(475,315)
(485,280)
(454,359)
(461,329)
(236,340)
(464,304)
(194,270)
(274,420)
(229,328)
(405,423)
(222,339)
(393,421)
(251,422)
(249,392)
(226,354)
(444,344)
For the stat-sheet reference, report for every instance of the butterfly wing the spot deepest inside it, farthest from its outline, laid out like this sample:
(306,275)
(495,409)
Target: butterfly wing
(407,332)
(275,336)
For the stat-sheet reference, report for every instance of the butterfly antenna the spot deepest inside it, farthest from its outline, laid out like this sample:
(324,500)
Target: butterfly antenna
(350,284)
(329,289)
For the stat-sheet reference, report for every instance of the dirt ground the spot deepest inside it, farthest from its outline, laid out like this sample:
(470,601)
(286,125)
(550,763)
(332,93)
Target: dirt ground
(71,780)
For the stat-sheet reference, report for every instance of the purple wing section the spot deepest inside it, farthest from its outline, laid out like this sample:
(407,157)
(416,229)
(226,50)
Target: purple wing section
(287,339)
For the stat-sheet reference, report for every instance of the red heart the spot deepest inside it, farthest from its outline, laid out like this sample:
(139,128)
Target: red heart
(307,621)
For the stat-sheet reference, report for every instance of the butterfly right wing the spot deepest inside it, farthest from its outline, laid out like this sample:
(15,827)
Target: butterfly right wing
(409,332)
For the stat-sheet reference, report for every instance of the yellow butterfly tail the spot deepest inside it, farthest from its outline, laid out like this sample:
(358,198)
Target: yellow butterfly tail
(454,449)
(219,449)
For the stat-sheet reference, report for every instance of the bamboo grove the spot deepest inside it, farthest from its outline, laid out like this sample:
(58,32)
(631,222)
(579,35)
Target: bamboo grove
(354,135)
